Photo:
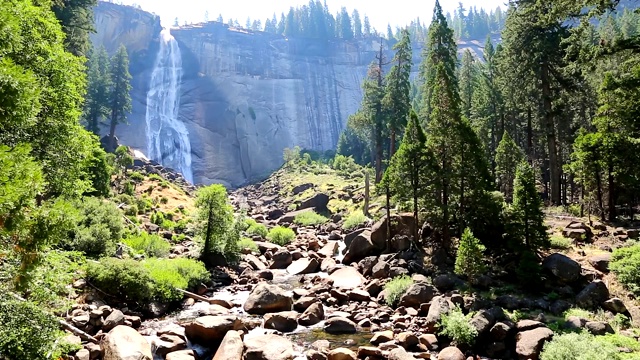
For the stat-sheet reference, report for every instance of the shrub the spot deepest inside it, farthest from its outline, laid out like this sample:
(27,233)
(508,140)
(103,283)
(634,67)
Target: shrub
(130,188)
(168,225)
(469,257)
(354,220)
(164,200)
(99,228)
(456,326)
(395,288)
(345,164)
(136,176)
(246,243)
(625,263)
(529,269)
(309,218)
(144,204)
(281,235)
(149,280)
(248,222)
(156,177)
(150,245)
(560,242)
(291,156)
(257,229)
(131,210)
(157,218)
(574,346)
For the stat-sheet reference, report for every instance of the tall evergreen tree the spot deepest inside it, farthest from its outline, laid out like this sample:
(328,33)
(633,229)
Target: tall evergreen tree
(99,82)
(530,230)
(357,24)
(508,157)
(346,31)
(367,27)
(397,100)
(76,18)
(468,80)
(120,97)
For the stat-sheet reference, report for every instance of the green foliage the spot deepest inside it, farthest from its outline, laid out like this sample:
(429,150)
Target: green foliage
(215,223)
(508,157)
(99,228)
(96,106)
(353,143)
(99,172)
(157,218)
(281,235)
(469,258)
(248,222)
(528,269)
(149,280)
(292,157)
(150,245)
(528,227)
(310,218)
(257,229)
(576,346)
(456,326)
(345,165)
(136,176)
(395,288)
(625,263)
(246,243)
(559,242)
(119,95)
(354,220)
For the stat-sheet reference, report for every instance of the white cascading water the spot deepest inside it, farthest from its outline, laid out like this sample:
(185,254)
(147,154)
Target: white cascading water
(167,137)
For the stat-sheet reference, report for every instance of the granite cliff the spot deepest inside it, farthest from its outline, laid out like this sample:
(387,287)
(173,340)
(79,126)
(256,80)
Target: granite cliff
(243,96)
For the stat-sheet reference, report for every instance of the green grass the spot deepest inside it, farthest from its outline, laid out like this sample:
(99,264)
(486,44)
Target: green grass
(560,242)
(246,243)
(354,219)
(281,235)
(395,288)
(310,218)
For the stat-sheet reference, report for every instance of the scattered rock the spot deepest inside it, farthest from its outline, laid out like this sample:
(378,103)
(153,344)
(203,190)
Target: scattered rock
(416,294)
(255,263)
(407,340)
(284,321)
(340,325)
(206,329)
(615,305)
(529,343)
(281,259)
(181,355)
(600,262)
(563,267)
(451,353)
(169,343)
(312,315)
(599,327)
(268,347)
(318,201)
(359,248)
(341,354)
(400,354)
(347,278)
(446,282)
(359,295)
(381,337)
(593,295)
(125,343)
(267,298)
(439,306)
(303,266)
(380,270)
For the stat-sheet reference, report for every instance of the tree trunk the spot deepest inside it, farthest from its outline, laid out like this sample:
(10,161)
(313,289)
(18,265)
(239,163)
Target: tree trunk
(112,131)
(529,137)
(378,159)
(599,194)
(392,146)
(552,146)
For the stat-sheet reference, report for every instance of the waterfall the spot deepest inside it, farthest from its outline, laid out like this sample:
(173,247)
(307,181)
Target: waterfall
(167,137)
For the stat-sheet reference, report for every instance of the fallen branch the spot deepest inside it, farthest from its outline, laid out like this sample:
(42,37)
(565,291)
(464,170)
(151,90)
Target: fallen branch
(196,296)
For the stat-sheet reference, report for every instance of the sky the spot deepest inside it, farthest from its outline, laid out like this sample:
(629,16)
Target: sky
(381,13)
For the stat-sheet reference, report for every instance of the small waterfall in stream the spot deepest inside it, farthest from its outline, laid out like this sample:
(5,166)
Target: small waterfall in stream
(167,137)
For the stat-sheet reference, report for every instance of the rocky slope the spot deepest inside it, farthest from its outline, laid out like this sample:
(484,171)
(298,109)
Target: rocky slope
(244,96)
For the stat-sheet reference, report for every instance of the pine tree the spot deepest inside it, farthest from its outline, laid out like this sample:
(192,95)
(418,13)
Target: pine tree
(529,227)
(76,18)
(357,24)
(468,82)
(346,31)
(290,26)
(367,27)
(411,167)
(119,97)
(99,83)
(215,218)
(469,257)
(397,100)
(508,156)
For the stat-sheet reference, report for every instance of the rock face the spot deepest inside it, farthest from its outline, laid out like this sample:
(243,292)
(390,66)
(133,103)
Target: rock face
(125,343)
(267,298)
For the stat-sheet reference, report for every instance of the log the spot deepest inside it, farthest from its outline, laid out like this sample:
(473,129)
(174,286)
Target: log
(196,296)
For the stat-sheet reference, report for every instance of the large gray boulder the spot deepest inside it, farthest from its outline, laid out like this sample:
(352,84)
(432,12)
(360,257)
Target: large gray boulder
(593,295)
(125,343)
(284,321)
(268,347)
(417,294)
(360,248)
(207,329)
(318,201)
(267,298)
(564,268)
(231,347)
(529,343)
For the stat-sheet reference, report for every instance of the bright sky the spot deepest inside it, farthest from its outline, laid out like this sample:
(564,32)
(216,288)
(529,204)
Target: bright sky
(381,13)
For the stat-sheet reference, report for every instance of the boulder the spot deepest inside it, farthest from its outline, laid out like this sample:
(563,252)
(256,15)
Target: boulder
(482,321)
(578,231)
(369,351)
(360,248)
(380,270)
(340,325)
(255,263)
(301,188)
(303,266)
(417,294)
(359,295)
(284,321)
(529,343)
(181,355)
(445,282)
(615,305)
(327,263)
(168,343)
(599,328)
(407,339)
(593,295)
(312,315)
(206,329)
(290,216)
(342,354)
(281,259)
(382,337)
(329,250)
(114,319)
(318,201)
(125,343)
(83,354)
(267,298)
(439,306)
(564,268)
(451,353)
(347,278)
(268,347)
(600,262)
(400,354)
(264,246)
(275,214)
(501,330)
(304,302)
(401,224)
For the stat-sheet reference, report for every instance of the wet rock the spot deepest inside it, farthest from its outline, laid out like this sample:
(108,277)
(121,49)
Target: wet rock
(417,294)
(451,353)
(600,262)
(312,315)
(615,305)
(360,247)
(347,278)
(169,343)
(340,325)
(181,355)
(206,329)
(125,343)
(303,266)
(529,343)
(599,327)
(265,274)
(342,354)
(382,337)
(255,263)
(267,298)
(268,347)
(321,345)
(284,321)
(564,268)
(593,295)
(114,319)
(211,309)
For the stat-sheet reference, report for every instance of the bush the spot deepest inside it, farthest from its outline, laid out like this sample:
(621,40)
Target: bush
(149,280)
(150,245)
(345,165)
(309,218)
(136,176)
(625,263)
(281,235)
(131,210)
(469,257)
(257,229)
(529,269)
(157,218)
(395,288)
(456,326)
(574,346)
(248,222)
(354,220)
(99,228)
(560,242)
(246,243)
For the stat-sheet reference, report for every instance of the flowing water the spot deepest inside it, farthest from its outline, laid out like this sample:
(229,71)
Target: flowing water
(167,136)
